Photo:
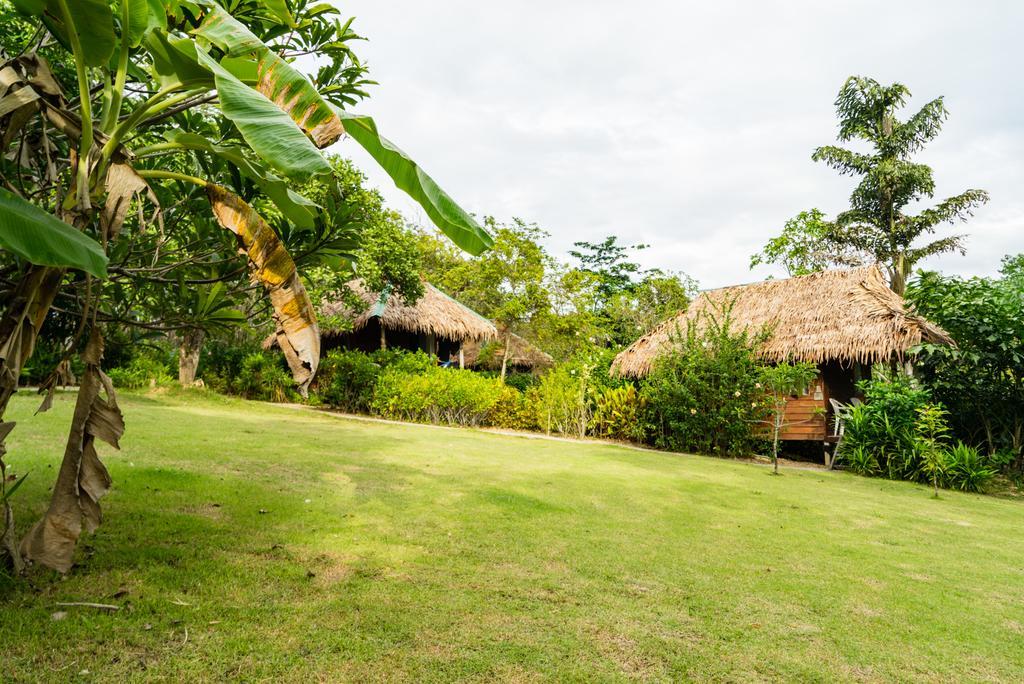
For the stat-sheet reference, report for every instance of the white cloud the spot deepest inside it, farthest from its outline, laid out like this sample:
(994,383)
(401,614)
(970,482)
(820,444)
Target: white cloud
(688,126)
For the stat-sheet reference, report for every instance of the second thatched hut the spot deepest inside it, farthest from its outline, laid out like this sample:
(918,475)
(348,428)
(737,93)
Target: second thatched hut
(436,324)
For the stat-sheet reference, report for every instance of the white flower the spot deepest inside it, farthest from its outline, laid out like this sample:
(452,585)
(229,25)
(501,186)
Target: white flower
(693,412)
(757,385)
(753,404)
(737,394)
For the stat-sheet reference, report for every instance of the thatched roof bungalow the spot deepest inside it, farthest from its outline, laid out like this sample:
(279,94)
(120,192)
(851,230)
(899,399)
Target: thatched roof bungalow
(522,354)
(436,323)
(843,320)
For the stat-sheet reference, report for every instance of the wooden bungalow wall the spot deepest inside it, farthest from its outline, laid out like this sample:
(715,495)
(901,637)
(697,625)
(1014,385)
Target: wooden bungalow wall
(809,416)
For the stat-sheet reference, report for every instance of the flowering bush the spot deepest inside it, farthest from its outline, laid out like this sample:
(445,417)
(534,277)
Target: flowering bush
(703,395)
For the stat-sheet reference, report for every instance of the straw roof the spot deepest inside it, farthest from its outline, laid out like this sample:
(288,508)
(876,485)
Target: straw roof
(435,313)
(845,315)
(521,353)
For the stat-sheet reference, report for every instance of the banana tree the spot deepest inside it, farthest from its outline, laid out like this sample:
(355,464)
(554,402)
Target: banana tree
(118,118)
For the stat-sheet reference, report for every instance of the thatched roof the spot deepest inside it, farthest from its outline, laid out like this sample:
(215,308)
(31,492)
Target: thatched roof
(522,353)
(844,315)
(435,313)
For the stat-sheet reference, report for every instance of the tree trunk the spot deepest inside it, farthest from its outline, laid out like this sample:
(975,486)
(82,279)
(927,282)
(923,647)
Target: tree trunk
(383,338)
(775,443)
(19,329)
(504,355)
(188,355)
(82,479)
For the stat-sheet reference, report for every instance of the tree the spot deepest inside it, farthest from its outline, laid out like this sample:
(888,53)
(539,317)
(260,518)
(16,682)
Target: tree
(981,379)
(507,283)
(780,382)
(173,105)
(659,295)
(608,262)
(628,299)
(805,246)
(877,223)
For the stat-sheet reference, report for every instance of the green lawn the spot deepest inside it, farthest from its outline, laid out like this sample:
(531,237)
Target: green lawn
(391,552)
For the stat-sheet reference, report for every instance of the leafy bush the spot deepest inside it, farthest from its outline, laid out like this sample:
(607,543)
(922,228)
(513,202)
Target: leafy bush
(437,395)
(144,370)
(618,413)
(901,434)
(346,380)
(702,395)
(966,469)
(402,361)
(886,427)
(263,377)
(514,410)
(220,363)
(861,460)
(563,405)
(521,381)
(981,379)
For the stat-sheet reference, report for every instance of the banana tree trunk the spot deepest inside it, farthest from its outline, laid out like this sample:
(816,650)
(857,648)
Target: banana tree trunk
(188,356)
(19,330)
(83,479)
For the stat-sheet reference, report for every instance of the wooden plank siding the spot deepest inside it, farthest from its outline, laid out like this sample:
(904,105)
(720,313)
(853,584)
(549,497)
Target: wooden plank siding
(806,416)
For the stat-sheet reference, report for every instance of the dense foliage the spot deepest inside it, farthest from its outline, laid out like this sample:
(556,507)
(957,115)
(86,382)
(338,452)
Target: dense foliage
(899,432)
(981,380)
(703,396)
(446,396)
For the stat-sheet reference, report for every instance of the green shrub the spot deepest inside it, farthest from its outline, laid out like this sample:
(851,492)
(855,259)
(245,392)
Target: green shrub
(220,363)
(862,461)
(346,379)
(966,469)
(702,395)
(262,377)
(436,395)
(514,410)
(886,427)
(618,413)
(563,404)
(144,370)
(901,434)
(521,381)
(403,361)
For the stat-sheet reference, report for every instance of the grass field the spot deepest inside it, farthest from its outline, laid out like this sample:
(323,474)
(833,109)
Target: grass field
(259,543)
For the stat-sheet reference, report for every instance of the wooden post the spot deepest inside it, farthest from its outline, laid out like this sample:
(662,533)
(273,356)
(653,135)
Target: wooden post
(462,357)
(383,338)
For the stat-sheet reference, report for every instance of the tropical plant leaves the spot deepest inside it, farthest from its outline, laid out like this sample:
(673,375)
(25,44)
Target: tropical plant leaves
(42,239)
(279,8)
(453,221)
(92,20)
(279,81)
(138,20)
(176,60)
(267,129)
(297,332)
(296,208)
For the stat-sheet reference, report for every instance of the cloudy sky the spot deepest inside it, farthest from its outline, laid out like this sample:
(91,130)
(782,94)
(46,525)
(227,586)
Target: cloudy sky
(687,126)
